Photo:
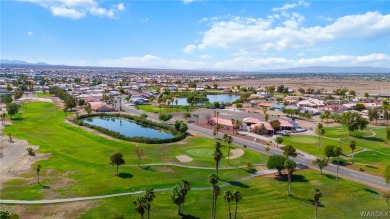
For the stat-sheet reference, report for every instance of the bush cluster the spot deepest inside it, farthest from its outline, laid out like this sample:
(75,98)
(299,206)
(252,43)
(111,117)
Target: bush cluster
(178,135)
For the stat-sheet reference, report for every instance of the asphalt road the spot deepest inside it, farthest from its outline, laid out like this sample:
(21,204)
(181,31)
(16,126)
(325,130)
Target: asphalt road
(357,176)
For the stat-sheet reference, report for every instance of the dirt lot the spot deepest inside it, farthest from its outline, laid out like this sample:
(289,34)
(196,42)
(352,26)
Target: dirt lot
(360,85)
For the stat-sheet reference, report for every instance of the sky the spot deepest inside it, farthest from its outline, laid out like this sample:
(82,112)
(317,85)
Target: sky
(197,34)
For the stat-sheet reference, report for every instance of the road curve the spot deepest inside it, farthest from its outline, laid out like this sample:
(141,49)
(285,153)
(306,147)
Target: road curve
(357,176)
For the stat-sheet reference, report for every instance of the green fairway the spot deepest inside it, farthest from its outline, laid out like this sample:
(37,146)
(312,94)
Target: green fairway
(156,109)
(41,94)
(371,138)
(264,197)
(309,144)
(81,159)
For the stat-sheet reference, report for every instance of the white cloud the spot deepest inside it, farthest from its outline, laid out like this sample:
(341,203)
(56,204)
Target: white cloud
(30,33)
(76,9)
(251,63)
(189,49)
(257,34)
(205,56)
(189,1)
(151,61)
(288,6)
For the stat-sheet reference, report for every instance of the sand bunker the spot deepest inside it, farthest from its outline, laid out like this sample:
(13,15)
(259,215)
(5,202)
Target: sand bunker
(184,158)
(236,153)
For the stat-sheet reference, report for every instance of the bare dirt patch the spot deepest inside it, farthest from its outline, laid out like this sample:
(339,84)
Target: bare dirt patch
(184,158)
(15,159)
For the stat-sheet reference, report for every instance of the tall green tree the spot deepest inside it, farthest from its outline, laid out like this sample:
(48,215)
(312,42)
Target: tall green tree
(387,134)
(329,151)
(321,162)
(317,194)
(228,196)
(177,197)
(117,160)
(279,140)
(185,186)
(229,140)
(290,167)
(236,197)
(289,150)
(276,162)
(149,197)
(213,180)
(12,108)
(217,154)
(352,145)
(353,121)
(140,206)
(320,131)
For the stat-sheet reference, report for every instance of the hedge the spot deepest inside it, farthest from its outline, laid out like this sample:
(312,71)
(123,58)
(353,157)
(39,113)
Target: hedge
(178,136)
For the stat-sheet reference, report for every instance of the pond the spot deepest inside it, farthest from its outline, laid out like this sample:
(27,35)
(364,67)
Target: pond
(221,98)
(128,128)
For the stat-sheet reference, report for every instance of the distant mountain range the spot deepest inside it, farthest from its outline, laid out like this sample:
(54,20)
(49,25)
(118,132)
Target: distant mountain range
(19,62)
(309,69)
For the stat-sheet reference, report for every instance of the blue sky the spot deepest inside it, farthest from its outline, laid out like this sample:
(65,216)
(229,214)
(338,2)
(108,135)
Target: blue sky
(204,34)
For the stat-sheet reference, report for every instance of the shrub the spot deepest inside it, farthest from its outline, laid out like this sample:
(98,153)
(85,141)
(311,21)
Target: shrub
(267,148)
(30,151)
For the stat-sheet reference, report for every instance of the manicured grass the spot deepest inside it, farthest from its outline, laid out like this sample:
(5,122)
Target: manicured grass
(83,158)
(370,161)
(264,197)
(41,94)
(156,109)
(309,144)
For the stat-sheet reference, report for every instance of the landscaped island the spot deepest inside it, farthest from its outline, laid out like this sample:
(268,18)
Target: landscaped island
(150,129)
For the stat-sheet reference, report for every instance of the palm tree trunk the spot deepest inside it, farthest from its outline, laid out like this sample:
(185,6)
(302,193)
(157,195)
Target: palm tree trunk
(178,210)
(337,176)
(315,214)
(117,166)
(148,212)
(216,166)
(235,211)
(230,214)
(212,208)
(319,141)
(352,157)
(289,184)
(215,208)
(321,171)
(229,155)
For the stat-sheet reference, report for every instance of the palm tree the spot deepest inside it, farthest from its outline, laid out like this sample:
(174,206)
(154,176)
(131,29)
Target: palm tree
(177,197)
(233,124)
(216,193)
(184,188)
(321,162)
(228,197)
(149,196)
(266,117)
(213,180)
(140,206)
(38,171)
(177,109)
(316,195)
(168,103)
(217,154)
(338,151)
(352,145)
(216,114)
(290,167)
(289,150)
(229,140)
(236,197)
(238,125)
(159,106)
